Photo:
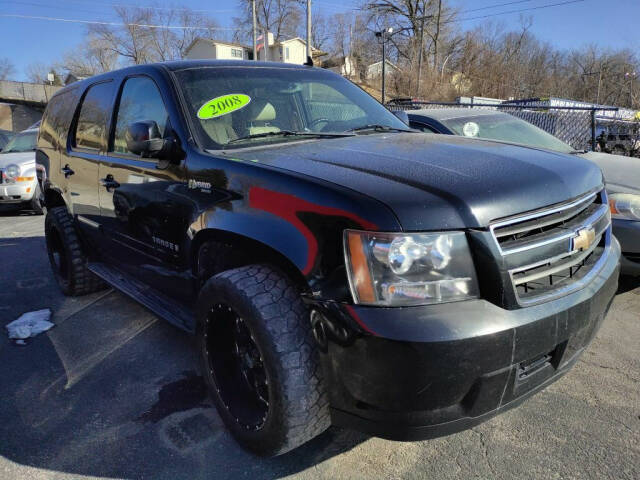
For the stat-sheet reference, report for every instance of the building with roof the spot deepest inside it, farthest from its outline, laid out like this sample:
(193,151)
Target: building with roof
(209,49)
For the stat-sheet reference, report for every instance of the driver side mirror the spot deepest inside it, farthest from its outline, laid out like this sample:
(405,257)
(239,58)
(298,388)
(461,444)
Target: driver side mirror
(402,115)
(144,139)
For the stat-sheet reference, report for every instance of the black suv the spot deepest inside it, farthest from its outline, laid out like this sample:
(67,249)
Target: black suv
(335,266)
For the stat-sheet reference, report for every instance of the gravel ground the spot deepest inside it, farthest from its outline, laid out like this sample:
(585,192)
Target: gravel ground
(111,392)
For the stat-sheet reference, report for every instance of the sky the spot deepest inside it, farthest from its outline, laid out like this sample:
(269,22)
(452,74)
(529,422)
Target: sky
(608,24)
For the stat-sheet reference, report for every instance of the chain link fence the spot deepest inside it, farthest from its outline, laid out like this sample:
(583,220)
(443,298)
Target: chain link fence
(584,128)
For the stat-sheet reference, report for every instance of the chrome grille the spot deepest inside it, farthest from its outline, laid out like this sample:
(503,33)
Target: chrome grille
(552,251)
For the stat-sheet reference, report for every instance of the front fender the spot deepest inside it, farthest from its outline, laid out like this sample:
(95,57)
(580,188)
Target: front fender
(299,217)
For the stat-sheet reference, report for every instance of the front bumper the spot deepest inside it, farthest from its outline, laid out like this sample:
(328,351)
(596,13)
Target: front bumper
(17,192)
(628,234)
(430,371)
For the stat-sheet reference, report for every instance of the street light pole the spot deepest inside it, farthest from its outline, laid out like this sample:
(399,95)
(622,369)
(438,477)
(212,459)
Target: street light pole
(383,35)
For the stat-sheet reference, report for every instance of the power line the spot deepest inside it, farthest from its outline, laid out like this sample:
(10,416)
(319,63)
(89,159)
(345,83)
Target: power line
(116,24)
(180,27)
(514,11)
(151,7)
(496,6)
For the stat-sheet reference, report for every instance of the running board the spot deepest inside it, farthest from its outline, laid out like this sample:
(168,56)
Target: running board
(159,303)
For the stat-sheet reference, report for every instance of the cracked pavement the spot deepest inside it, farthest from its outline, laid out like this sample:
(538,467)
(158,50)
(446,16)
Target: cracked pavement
(111,392)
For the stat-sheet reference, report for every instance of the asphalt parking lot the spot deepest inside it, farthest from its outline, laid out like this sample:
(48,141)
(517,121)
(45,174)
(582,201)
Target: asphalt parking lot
(112,392)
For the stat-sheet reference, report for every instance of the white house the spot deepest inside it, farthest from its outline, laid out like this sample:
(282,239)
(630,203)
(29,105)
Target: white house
(292,50)
(344,66)
(208,49)
(375,70)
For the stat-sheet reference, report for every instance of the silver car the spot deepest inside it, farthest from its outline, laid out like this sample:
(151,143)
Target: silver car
(19,185)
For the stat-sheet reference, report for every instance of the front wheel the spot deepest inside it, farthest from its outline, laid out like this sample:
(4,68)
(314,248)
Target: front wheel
(259,359)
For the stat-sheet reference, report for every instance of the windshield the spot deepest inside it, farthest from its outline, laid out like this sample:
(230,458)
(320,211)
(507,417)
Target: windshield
(22,142)
(506,128)
(235,107)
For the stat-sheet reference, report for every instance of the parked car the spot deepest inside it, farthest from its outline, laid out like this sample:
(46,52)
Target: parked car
(5,136)
(622,174)
(19,185)
(335,266)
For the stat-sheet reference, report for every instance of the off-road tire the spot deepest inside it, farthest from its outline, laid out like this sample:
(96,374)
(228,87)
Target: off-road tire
(271,307)
(70,270)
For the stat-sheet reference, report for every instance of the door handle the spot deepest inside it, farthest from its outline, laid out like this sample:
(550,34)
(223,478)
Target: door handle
(109,183)
(67,171)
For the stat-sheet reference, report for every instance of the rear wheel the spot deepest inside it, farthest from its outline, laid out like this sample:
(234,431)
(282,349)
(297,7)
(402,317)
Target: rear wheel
(68,261)
(259,359)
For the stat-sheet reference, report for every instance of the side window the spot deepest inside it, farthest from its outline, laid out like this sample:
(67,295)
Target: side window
(140,101)
(422,127)
(93,117)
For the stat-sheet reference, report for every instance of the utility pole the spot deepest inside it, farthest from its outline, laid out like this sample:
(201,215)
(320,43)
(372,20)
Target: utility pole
(631,76)
(266,45)
(420,51)
(255,38)
(309,59)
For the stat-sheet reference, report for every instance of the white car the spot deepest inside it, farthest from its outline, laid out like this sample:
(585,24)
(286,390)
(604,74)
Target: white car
(19,185)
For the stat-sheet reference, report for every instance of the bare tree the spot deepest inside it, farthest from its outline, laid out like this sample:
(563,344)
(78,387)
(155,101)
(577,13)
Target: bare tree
(320,32)
(92,58)
(6,68)
(280,17)
(37,72)
(150,35)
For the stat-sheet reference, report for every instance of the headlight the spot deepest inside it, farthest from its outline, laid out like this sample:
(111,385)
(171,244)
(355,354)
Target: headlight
(402,269)
(12,171)
(625,206)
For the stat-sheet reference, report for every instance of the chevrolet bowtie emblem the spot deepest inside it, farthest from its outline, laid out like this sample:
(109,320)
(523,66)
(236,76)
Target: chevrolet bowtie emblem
(583,239)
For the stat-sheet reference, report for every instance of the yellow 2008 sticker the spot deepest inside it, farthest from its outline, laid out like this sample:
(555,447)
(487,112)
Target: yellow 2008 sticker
(223,105)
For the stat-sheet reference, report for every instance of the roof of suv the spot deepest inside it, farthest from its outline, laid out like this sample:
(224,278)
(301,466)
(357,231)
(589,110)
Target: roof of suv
(182,64)
(177,65)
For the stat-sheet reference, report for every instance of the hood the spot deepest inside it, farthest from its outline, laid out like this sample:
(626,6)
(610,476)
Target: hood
(436,182)
(22,159)
(621,174)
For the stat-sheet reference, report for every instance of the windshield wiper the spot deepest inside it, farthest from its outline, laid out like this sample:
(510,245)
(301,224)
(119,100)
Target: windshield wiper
(289,133)
(378,128)
(577,152)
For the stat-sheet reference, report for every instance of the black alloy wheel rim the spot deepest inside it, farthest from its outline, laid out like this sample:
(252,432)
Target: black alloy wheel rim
(57,253)
(237,367)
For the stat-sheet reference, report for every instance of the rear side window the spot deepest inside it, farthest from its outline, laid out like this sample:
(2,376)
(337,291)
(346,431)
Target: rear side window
(94,113)
(48,136)
(140,101)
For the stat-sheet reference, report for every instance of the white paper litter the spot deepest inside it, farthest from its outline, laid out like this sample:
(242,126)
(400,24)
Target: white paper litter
(30,324)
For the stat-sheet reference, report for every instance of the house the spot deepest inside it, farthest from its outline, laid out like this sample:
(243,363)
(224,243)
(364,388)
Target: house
(292,50)
(208,49)
(343,65)
(375,70)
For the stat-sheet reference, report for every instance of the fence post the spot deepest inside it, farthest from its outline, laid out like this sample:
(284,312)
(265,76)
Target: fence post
(593,130)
